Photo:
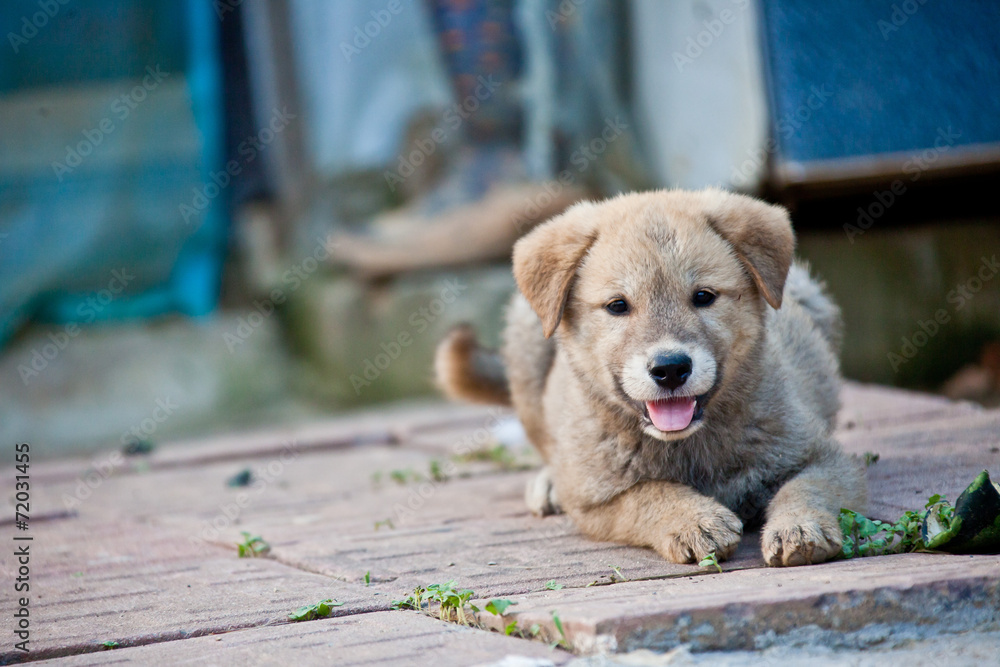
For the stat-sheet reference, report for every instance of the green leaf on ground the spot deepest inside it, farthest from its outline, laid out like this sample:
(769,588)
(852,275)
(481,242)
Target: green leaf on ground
(711,560)
(252,546)
(498,607)
(562,632)
(972,525)
(321,609)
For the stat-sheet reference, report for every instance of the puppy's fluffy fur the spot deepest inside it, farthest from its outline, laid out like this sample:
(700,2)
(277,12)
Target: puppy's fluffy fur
(749,437)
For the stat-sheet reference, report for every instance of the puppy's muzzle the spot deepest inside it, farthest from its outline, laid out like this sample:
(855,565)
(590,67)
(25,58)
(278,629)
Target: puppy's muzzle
(670,371)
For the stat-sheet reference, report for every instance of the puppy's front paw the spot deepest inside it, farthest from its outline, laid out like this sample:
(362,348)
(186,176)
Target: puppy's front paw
(540,494)
(800,539)
(715,530)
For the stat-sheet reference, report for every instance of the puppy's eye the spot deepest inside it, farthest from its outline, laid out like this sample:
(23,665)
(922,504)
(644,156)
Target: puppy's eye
(617,307)
(703,298)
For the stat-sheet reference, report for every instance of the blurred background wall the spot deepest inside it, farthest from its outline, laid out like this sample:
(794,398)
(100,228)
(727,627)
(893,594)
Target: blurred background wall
(221,215)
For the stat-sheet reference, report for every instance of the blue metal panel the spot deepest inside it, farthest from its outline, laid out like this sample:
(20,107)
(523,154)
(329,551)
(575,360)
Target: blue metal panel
(860,77)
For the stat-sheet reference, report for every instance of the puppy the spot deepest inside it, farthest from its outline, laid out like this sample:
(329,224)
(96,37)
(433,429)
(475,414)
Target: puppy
(678,374)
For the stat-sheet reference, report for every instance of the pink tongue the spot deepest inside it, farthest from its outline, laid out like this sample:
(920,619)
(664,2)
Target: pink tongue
(671,414)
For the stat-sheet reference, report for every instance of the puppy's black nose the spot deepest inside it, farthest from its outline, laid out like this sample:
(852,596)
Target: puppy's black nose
(670,370)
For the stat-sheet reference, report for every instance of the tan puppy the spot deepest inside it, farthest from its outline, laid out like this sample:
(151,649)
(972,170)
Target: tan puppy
(691,384)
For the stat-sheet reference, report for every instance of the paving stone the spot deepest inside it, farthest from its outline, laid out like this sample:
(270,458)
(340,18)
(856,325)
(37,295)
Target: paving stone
(136,583)
(970,432)
(141,531)
(738,610)
(879,649)
(389,638)
(389,425)
(905,483)
(319,512)
(483,538)
(917,460)
(866,406)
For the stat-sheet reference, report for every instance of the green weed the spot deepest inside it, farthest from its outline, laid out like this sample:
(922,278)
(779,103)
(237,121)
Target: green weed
(711,560)
(321,609)
(871,537)
(252,546)
(562,641)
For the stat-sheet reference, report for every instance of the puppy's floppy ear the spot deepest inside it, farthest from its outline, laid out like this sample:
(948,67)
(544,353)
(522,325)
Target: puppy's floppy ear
(762,236)
(546,259)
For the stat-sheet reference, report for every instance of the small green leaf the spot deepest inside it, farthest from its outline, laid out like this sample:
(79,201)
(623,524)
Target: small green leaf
(552,585)
(109,645)
(252,546)
(498,607)
(321,609)
(368,578)
(711,560)
(302,614)
(509,630)
(559,626)
(437,473)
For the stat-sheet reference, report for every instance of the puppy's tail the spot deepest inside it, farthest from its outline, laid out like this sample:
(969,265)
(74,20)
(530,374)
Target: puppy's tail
(812,296)
(467,371)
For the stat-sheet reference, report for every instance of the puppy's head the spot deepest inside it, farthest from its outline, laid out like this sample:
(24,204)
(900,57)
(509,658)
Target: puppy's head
(658,298)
